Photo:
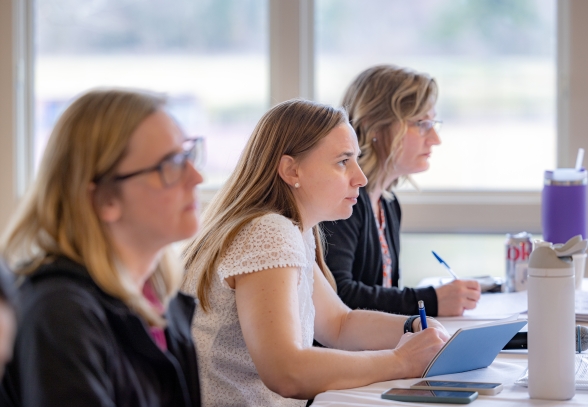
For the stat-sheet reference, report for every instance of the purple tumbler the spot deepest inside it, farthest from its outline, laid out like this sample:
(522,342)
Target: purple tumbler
(563,205)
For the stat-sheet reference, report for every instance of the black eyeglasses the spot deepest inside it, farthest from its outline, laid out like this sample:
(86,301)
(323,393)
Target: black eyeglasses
(426,125)
(172,167)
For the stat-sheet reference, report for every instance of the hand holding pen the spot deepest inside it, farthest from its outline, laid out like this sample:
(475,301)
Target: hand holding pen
(457,296)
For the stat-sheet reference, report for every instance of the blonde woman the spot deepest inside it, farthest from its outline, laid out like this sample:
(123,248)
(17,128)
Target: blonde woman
(265,292)
(392,111)
(101,322)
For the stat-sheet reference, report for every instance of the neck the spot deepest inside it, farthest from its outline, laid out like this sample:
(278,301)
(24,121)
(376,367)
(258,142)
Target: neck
(376,192)
(306,224)
(139,266)
(375,195)
(138,260)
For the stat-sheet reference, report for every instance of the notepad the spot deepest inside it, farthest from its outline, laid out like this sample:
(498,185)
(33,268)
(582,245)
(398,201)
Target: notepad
(473,347)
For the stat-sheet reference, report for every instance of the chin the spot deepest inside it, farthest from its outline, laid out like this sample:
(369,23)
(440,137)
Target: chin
(343,214)
(188,229)
(422,168)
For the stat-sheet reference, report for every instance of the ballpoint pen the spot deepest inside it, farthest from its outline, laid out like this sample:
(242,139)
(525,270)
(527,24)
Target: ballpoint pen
(423,315)
(446,265)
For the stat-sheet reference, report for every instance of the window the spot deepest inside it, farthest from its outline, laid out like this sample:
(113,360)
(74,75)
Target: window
(495,63)
(290,71)
(210,58)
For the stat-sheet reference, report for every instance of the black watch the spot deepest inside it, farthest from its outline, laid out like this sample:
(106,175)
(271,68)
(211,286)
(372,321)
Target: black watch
(408,323)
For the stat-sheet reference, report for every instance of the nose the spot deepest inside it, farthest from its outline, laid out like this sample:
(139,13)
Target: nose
(193,176)
(359,180)
(433,137)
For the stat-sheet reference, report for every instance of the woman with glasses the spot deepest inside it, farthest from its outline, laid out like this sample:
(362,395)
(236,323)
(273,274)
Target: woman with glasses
(392,111)
(101,322)
(264,290)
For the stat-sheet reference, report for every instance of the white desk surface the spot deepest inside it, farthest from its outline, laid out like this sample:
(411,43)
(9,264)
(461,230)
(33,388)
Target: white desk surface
(505,369)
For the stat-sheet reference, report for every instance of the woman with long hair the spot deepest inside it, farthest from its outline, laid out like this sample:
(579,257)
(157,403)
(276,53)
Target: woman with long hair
(392,111)
(101,322)
(264,289)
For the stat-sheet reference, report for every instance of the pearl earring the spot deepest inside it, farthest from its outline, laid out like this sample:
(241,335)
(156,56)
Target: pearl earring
(297,185)
(374,139)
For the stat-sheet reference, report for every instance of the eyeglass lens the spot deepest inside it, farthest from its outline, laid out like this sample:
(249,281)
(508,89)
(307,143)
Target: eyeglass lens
(173,168)
(426,125)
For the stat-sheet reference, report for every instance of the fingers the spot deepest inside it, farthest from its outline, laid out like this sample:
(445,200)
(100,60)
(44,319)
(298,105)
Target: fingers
(417,349)
(473,289)
(433,323)
(457,296)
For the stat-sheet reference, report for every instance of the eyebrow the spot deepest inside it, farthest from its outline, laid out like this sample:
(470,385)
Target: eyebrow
(346,154)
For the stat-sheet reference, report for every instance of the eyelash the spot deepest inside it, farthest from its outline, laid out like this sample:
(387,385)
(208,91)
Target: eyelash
(344,162)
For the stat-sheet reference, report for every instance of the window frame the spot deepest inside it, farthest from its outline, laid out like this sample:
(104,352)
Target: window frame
(291,29)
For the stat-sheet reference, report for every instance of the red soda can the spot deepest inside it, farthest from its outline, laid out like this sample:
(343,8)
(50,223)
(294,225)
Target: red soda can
(518,250)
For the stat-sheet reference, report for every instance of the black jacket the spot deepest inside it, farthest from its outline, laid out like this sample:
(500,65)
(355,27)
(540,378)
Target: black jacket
(78,346)
(354,256)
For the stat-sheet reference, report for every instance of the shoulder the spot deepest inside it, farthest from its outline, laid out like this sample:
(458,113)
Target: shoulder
(273,221)
(61,300)
(62,293)
(269,241)
(271,227)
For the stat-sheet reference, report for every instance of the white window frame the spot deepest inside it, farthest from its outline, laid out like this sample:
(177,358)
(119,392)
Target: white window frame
(292,75)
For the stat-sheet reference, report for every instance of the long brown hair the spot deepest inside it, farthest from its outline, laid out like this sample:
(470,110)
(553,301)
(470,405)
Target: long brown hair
(255,188)
(377,99)
(57,216)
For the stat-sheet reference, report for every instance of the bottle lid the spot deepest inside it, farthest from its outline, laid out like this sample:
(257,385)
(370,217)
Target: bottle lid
(544,262)
(566,176)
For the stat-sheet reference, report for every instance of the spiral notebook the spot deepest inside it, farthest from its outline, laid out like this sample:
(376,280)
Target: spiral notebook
(473,347)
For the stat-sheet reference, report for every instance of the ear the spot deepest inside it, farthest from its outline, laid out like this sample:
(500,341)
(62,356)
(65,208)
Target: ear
(107,206)
(288,170)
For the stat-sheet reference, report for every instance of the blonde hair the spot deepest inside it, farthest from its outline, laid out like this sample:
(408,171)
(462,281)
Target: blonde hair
(57,216)
(380,101)
(255,188)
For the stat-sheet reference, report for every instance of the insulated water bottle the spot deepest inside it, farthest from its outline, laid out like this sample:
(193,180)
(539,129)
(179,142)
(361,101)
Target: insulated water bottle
(551,337)
(563,204)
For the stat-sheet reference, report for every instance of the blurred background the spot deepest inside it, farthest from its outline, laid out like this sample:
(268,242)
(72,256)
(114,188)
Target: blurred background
(494,60)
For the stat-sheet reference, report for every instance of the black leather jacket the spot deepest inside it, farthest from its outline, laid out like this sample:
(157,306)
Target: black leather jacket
(78,346)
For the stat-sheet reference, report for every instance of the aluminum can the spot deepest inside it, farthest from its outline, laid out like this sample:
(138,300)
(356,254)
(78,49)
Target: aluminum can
(518,250)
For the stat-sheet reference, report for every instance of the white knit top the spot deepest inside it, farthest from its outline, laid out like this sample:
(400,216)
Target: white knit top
(228,376)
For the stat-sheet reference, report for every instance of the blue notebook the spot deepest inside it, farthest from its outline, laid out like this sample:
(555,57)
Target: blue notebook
(473,347)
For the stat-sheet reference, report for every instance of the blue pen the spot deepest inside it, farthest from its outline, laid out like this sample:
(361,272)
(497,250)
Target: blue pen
(446,265)
(423,314)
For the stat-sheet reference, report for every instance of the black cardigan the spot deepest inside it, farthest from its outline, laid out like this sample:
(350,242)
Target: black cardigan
(354,255)
(76,345)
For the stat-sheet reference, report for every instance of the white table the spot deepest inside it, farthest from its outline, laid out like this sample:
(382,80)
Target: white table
(505,369)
